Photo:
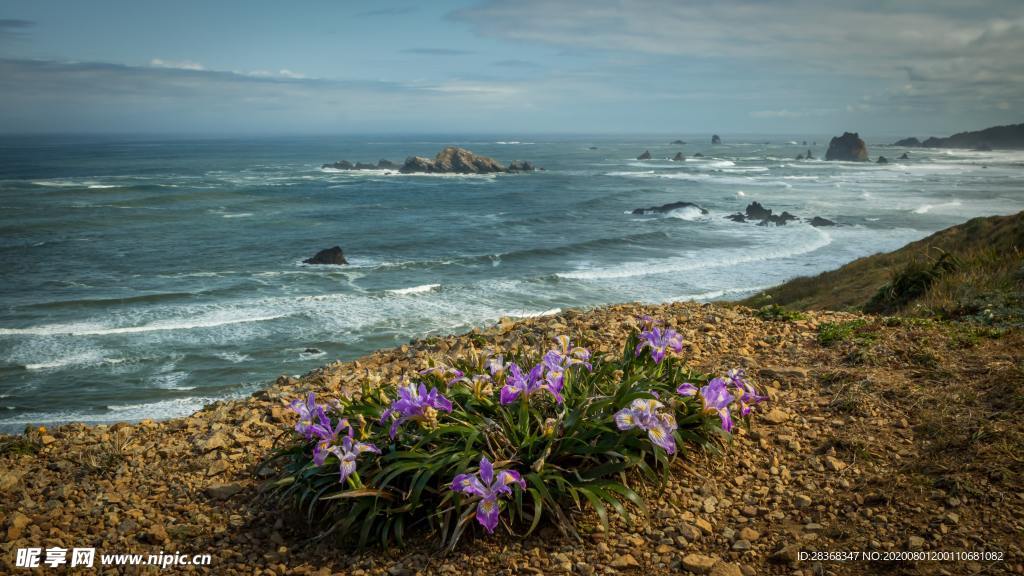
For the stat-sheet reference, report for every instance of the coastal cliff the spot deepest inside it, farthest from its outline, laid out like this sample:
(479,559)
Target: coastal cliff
(858,408)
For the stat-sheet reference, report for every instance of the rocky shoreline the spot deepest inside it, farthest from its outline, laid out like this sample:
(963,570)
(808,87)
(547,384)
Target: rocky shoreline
(855,451)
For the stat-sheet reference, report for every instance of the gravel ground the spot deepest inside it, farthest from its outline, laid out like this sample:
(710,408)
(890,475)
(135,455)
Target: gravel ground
(900,439)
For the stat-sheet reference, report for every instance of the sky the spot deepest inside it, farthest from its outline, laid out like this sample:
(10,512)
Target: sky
(886,67)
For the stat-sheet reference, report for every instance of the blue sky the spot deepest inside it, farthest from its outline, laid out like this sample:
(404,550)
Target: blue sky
(907,67)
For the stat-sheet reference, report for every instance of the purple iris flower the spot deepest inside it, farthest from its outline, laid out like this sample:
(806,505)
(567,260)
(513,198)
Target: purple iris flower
(716,399)
(327,437)
(518,384)
(647,321)
(496,366)
(416,404)
(348,451)
(643,413)
(571,355)
(489,487)
(310,415)
(687,389)
(447,373)
(659,341)
(748,396)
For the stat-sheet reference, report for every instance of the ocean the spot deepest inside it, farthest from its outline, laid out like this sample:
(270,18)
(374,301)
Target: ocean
(146,277)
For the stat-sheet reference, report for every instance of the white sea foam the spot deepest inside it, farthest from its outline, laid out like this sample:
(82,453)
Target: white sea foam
(698,262)
(926,208)
(240,215)
(689,213)
(93,329)
(532,314)
(415,289)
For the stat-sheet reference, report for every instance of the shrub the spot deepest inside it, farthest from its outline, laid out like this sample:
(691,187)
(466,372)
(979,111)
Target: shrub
(510,442)
(910,283)
(830,333)
(777,313)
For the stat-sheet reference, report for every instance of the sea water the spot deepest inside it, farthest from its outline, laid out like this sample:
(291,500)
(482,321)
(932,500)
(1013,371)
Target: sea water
(145,277)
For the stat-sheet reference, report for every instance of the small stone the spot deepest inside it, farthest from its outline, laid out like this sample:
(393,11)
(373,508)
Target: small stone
(704,525)
(726,569)
(774,416)
(802,501)
(699,563)
(741,545)
(9,479)
(624,561)
(749,534)
(18,523)
(835,464)
(224,491)
(786,554)
(915,543)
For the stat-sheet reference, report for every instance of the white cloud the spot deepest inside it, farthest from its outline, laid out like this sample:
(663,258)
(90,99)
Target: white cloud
(177,64)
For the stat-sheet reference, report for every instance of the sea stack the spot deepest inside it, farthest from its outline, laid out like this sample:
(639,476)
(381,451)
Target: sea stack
(645,156)
(678,157)
(329,256)
(715,139)
(848,147)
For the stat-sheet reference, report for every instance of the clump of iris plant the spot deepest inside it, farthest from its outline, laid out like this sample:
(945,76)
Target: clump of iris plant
(488,486)
(586,448)
(647,414)
(415,404)
(520,385)
(660,342)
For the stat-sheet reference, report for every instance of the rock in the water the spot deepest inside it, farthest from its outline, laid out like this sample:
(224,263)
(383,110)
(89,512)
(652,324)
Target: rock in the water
(882,160)
(1011,136)
(905,156)
(715,139)
(453,160)
(809,156)
(737,217)
(340,165)
(818,221)
(908,142)
(521,166)
(848,147)
(365,166)
(386,164)
(645,156)
(664,208)
(330,256)
(678,142)
(593,148)
(777,219)
(678,157)
(698,155)
(755,211)
(799,156)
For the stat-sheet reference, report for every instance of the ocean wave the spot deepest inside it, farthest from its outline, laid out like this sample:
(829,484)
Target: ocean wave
(532,314)
(90,329)
(673,265)
(414,289)
(689,213)
(926,208)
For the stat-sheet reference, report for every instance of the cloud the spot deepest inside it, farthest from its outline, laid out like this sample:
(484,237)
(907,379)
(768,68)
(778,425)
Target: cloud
(48,95)
(176,64)
(516,63)
(14,28)
(946,45)
(437,51)
(395,11)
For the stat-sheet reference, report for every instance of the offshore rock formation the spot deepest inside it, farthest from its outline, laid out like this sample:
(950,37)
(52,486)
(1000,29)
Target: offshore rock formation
(1005,137)
(330,256)
(678,157)
(665,208)
(645,156)
(848,147)
(715,139)
(451,160)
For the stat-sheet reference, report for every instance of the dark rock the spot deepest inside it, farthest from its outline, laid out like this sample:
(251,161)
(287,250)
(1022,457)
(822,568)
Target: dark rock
(678,157)
(755,211)
(645,156)
(698,155)
(521,166)
(224,491)
(818,222)
(365,166)
(313,351)
(593,148)
(737,217)
(340,165)
(910,142)
(799,156)
(882,160)
(715,139)
(809,156)
(905,156)
(778,220)
(453,160)
(664,208)
(805,142)
(329,256)
(678,142)
(386,164)
(848,147)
